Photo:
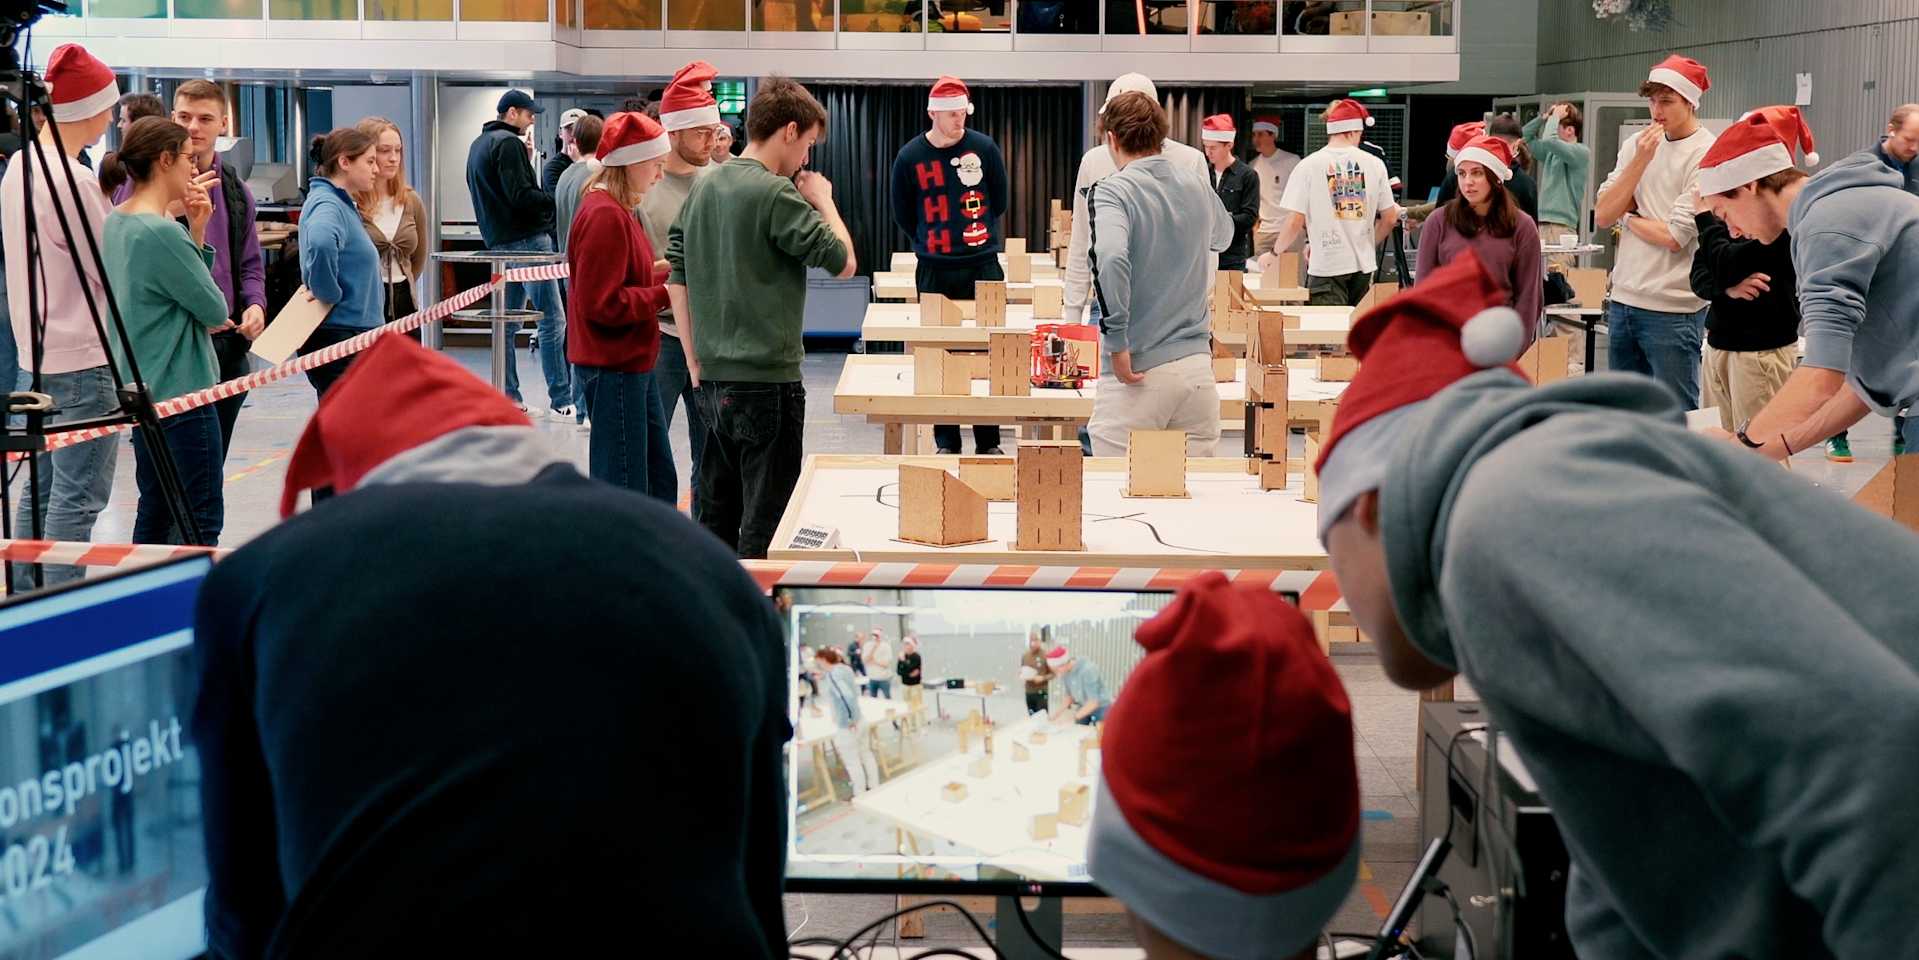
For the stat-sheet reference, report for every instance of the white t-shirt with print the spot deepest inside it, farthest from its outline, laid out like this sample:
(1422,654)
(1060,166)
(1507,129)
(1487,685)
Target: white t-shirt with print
(1342,191)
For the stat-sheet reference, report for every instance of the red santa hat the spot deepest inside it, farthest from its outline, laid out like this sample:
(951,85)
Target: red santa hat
(1490,152)
(1347,116)
(688,101)
(83,87)
(1218,128)
(1266,125)
(1453,325)
(1686,76)
(631,138)
(397,396)
(1759,145)
(1462,133)
(1057,657)
(1201,827)
(949,93)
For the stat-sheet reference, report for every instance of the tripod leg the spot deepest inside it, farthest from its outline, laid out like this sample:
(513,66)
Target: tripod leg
(167,472)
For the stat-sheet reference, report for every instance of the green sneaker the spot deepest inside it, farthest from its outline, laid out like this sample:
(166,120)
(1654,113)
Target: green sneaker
(1838,450)
(1898,446)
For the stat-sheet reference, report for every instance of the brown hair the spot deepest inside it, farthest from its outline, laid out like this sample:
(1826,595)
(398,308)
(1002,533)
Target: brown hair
(1501,219)
(1572,118)
(1137,123)
(618,184)
(201,90)
(780,101)
(395,186)
(139,106)
(828,655)
(1776,182)
(1649,90)
(148,140)
(1507,128)
(328,152)
(586,134)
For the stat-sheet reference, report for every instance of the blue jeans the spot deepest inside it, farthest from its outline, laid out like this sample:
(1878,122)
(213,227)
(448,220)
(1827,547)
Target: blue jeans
(544,295)
(675,384)
(1663,346)
(883,689)
(74,481)
(193,438)
(627,446)
(1908,426)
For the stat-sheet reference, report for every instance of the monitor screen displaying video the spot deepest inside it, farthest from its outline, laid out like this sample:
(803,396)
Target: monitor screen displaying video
(101,850)
(985,770)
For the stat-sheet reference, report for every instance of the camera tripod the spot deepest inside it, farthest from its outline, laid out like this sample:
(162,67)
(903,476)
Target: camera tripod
(26,429)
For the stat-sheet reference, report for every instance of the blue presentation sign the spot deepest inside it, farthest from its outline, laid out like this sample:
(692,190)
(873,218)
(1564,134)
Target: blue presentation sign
(101,852)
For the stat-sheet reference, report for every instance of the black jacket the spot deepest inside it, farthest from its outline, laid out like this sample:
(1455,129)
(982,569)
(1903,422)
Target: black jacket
(507,201)
(550,174)
(421,759)
(1522,186)
(1767,322)
(1238,189)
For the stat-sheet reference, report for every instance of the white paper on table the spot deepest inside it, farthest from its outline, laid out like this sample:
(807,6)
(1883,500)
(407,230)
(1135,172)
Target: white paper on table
(1703,419)
(296,322)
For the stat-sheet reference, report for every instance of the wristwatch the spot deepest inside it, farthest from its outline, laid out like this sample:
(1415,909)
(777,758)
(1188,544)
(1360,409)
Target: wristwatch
(1741,434)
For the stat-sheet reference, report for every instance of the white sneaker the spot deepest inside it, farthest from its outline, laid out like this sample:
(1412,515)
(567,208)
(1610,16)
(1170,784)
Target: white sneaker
(562,414)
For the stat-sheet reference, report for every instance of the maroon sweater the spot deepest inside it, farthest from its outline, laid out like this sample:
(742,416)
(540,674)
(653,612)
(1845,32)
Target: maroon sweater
(614,295)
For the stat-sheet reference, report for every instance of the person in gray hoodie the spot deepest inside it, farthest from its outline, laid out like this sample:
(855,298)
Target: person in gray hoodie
(1722,721)
(1153,215)
(1855,246)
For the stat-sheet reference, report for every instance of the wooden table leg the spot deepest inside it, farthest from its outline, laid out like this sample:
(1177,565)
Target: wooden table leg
(895,438)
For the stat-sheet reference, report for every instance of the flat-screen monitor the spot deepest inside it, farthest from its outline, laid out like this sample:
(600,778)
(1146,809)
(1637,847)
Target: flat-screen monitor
(101,854)
(958,783)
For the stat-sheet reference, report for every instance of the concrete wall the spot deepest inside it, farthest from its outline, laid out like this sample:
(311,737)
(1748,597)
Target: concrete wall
(1863,56)
(1498,49)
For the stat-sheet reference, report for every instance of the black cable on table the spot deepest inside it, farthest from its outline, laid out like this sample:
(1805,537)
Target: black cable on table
(846,945)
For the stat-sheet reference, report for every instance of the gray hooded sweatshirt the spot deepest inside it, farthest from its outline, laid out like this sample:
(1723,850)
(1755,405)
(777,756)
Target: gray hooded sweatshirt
(1855,245)
(1711,666)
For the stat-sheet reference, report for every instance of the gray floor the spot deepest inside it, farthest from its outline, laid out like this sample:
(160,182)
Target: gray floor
(1384,716)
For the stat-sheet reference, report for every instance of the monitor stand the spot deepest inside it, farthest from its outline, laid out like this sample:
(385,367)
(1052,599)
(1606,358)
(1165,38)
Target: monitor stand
(1046,919)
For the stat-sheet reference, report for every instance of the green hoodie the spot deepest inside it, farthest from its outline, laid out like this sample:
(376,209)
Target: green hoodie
(1712,666)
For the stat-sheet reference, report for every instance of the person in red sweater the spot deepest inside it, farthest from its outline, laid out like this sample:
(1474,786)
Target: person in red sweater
(612,322)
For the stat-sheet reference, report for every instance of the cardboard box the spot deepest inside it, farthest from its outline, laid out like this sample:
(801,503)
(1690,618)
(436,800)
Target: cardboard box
(980,768)
(991,477)
(1338,369)
(1042,826)
(953,792)
(1075,804)
(1549,359)
(1894,491)
(938,509)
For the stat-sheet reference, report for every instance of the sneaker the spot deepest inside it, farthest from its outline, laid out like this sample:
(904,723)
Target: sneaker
(947,452)
(1838,450)
(992,452)
(1898,446)
(564,414)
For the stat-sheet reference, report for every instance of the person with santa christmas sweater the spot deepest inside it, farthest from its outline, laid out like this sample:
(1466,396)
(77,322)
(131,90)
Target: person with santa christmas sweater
(949,190)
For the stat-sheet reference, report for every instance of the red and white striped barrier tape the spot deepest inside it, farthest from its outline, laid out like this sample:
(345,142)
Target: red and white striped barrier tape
(98,554)
(301,364)
(1317,589)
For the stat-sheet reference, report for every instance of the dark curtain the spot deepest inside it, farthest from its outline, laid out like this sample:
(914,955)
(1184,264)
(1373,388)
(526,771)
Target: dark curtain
(1187,107)
(1037,129)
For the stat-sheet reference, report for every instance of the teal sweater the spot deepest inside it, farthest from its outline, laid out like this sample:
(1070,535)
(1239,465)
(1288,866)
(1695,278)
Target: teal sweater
(1710,664)
(741,248)
(167,298)
(1562,169)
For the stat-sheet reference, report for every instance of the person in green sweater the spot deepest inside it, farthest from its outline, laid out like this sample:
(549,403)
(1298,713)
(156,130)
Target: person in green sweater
(162,279)
(1562,164)
(739,253)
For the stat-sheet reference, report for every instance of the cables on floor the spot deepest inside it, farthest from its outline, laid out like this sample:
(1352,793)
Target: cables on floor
(846,948)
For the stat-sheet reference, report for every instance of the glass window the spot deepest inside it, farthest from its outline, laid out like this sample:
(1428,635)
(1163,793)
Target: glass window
(1254,18)
(1146,17)
(1412,18)
(1320,18)
(313,9)
(972,16)
(213,9)
(789,16)
(503,11)
(403,9)
(130,9)
(622,14)
(1057,16)
(880,16)
(727,15)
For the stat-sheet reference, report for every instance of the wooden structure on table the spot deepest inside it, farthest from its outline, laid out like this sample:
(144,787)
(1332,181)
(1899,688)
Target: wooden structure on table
(991,477)
(938,372)
(1009,361)
(1019,266)
(1049,302)
(1156,463)
(1233,310)
(1894,491)
(939,509)
(937,311)
(1059,231)
(1048,491)
(1547,360)
(1267,413)
(989,303)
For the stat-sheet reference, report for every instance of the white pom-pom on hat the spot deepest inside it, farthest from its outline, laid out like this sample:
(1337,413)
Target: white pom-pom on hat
(1812,159)
(1492,337)
(1369,119)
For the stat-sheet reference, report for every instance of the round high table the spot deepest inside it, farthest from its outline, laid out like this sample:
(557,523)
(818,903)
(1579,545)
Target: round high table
(502,320)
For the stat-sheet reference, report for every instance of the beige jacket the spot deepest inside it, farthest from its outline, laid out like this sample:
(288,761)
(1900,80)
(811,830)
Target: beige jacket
(407,247)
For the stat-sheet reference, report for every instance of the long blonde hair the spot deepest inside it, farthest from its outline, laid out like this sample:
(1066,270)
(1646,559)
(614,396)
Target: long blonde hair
(617,183)
(395,187)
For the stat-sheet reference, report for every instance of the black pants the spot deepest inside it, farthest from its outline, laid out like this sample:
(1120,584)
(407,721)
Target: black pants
(755,435)
(1345,290)
(323,376)
(955,282)
(230,352)
(399,303)
(1035,702)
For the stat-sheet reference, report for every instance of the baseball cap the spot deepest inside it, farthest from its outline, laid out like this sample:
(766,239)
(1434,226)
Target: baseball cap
(1130,83)
(518,98)
(571,117)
